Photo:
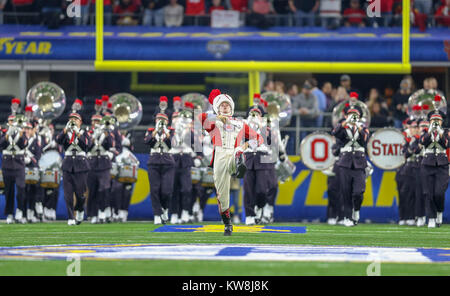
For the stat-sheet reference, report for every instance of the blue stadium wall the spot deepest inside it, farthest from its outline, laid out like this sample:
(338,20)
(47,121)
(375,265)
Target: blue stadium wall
(302,198)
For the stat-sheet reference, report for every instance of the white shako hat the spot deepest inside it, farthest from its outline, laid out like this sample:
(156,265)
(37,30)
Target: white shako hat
(216,98)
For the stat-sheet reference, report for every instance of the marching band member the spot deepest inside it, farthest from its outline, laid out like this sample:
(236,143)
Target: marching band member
(411,169)
(99,157)
(435,167)
(161,167)
(50,194)
(257,162)
(33,192)
(126,189)
(13,143)
(92,204)
(227,134)
(75,165)
(403,178)
(417,149)
(183,156)
(352,163)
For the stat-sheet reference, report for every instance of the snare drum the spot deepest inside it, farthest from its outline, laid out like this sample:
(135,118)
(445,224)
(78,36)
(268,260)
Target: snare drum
(50,178)
(32,175)
(208,178)
(196,175)
(128,173)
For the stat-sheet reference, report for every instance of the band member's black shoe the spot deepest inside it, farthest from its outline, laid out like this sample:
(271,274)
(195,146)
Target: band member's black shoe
(228,230)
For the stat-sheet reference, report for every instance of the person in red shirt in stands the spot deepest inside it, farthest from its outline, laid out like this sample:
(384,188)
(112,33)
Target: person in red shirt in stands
(22,7)
(125,12)
(216,5)
(443,14)
(354,15)
(239,5)
(386,8)
(194,8)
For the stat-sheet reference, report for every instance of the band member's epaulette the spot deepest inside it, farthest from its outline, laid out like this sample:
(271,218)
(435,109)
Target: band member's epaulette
(150,129)
(4,130)
(171,128)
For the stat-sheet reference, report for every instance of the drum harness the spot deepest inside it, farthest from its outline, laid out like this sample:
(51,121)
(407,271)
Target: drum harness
(98,149)
(352,145)
(75,149)
(28,152)
(160,146)
(434,148)
(12,148)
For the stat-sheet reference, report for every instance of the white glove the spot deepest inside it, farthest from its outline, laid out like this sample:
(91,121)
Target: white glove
(27,159)
(197,162)
(126,142)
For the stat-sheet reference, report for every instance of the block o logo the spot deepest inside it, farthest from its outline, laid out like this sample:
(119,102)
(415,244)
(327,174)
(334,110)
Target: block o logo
(315,151)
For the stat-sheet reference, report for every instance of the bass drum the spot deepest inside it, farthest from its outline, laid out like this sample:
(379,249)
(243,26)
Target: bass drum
(208,177)
(315,151)
(385,148)
(114,170)
(32,176)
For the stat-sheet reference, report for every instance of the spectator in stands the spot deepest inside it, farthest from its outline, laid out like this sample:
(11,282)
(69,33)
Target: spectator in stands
(194,9)
(340,96)
(424,6)
(173,14)
(279,87)
(433,83)
(2,7)
(292,90)
(51,11)
(260,11)
(154,12)
(23,8)
(282,10)
(378,118)
(375,98)
(327,89)
(354,15)
(321,99)
(107,10)
(269,85)
(442,14)
(330,13)
(386,9)
(346,82)
(400,103)
(126,13)
(84,10)
(304,11)
(418,19)
(239,5)
(216,5)
(307,106)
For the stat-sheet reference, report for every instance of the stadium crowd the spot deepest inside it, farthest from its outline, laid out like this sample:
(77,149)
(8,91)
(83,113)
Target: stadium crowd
(329,14)
(387,107)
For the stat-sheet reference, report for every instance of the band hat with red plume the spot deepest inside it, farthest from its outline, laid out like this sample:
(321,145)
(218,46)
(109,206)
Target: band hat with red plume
(96,117)
(11,117)
(75,115)
(28,108)
(160,116)
(216,98)
(354,95)
(354,109)
(189,106)
(15,105)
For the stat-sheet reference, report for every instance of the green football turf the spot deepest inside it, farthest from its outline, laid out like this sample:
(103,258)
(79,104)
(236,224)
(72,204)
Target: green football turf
(388,235)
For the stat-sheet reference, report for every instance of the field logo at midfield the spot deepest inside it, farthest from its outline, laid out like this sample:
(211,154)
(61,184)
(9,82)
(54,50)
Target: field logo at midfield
(241,252)
(236,228)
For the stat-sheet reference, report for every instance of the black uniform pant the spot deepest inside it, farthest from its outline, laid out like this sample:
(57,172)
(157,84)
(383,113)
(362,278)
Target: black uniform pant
(126,190)
(419,202)
(51,198)
(407,197)
(161,179)
(434,186)
(14,179)
(182,193)
(272,180)
(98,183)
(402,188)
(114,200)
(353,185)
(202,193)
(255,190)
(74,184)
(333,197)
(33,194)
